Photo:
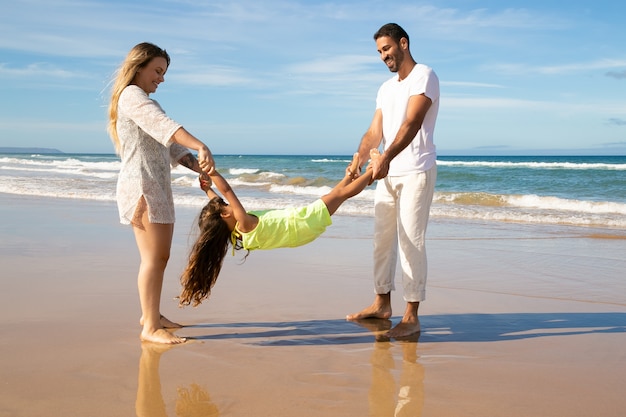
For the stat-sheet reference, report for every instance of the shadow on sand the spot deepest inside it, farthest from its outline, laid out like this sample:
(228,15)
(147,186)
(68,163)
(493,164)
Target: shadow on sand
(435,328)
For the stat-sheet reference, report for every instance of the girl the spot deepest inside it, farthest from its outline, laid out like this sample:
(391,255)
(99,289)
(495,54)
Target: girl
(222,223)
(148,143)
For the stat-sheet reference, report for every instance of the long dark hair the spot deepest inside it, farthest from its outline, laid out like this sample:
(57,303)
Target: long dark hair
(207,254)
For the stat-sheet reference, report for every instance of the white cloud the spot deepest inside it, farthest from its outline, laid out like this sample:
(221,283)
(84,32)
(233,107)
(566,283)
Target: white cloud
(211,75)
(571,68)
(545,107)
(340,64)
(42,126)
(298,60)
(469,84)
(39,71)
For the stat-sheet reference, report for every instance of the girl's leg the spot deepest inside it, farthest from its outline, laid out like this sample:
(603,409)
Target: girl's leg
(345,189)
(154,242)
(348,186)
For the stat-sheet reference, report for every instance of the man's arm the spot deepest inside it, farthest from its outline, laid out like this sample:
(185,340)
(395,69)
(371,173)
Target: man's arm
(371,139)
(415,113)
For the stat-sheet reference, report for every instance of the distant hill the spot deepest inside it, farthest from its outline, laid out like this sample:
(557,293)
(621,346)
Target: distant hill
(28,150)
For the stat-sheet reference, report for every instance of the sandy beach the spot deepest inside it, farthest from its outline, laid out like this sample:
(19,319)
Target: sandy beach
(519,321)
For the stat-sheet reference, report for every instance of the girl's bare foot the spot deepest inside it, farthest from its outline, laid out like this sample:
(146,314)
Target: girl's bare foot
(162,336)
(166,323)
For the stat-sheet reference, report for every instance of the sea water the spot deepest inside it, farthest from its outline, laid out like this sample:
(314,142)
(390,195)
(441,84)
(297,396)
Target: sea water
(558,190)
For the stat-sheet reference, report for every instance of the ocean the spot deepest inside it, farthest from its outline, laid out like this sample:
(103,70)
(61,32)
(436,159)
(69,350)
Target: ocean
(585,191)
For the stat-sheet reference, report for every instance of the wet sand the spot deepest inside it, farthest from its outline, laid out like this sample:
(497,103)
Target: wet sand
(519,320)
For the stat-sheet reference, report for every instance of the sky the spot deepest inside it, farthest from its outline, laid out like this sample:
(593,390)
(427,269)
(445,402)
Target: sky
(301,76)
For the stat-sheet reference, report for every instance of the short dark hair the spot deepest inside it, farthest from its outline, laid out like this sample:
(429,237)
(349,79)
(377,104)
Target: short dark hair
(393,30)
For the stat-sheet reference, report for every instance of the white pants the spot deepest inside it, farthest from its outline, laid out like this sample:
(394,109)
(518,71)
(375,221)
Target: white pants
(401,210)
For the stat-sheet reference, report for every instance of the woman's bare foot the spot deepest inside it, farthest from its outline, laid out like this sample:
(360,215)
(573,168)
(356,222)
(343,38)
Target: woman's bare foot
(166,323)
(162,336)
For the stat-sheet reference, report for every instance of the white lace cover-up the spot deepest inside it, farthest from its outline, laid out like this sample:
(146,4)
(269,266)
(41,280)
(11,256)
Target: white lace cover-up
(147,154)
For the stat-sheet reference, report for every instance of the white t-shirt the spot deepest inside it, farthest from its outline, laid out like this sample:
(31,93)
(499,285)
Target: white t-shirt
(393,97)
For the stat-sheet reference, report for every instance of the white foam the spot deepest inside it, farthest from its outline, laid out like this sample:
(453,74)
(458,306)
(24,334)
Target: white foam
(534,165)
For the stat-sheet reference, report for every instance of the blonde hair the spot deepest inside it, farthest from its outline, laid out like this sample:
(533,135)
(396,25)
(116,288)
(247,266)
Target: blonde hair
(138,57)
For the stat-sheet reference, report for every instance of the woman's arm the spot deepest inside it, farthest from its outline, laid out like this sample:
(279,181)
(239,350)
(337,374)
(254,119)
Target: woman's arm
(190,161)
(205,160)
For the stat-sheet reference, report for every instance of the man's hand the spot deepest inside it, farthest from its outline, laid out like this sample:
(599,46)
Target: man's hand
(379,164)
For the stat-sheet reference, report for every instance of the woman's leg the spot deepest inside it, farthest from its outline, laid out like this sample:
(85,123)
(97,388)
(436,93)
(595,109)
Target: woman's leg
(154,242)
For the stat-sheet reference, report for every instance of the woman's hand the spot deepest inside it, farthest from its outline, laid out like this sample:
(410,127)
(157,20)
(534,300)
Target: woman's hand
(205,159)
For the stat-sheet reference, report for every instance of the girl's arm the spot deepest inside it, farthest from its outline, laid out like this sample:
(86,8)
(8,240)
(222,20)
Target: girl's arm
(247,222)
(206,187)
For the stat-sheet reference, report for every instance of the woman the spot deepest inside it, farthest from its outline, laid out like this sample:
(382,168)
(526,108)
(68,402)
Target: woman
(149,143)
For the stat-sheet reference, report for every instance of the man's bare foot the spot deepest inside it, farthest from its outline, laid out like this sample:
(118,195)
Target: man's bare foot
(166,323)
(372,312)
(380,309)
(379,327)
(374,325)
(162,336)
(409,326)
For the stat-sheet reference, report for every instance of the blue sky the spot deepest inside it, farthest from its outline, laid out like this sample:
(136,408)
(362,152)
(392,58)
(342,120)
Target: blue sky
(300,77)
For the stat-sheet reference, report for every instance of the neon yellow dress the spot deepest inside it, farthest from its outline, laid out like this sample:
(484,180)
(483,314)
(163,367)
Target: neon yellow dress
(286,228)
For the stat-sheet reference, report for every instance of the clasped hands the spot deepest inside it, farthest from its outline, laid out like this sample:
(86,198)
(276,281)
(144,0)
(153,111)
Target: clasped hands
(205,160)
(378,164)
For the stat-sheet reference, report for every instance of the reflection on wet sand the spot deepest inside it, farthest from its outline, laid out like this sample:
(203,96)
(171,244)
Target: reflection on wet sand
(385,398)
(396,388)
(191,402)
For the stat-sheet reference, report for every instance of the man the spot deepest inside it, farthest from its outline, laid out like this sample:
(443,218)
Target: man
(404,122)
